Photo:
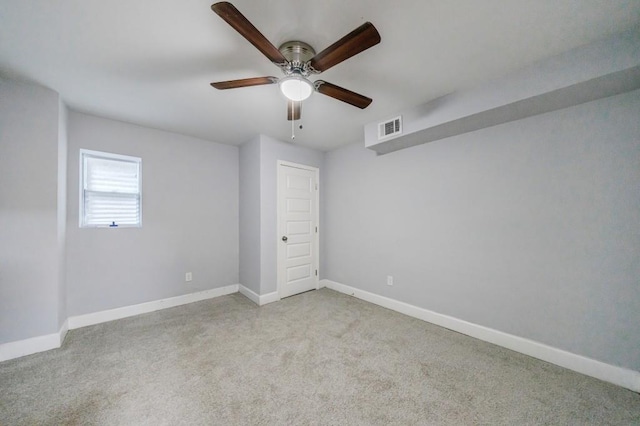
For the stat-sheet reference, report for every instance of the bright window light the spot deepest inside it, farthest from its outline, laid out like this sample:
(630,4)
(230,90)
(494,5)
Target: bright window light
(110,190)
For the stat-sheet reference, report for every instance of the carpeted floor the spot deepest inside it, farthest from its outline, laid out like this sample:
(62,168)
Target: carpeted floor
(316,358)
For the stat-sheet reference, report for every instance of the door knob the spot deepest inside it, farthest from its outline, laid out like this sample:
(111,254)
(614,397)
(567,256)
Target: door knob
(284,239)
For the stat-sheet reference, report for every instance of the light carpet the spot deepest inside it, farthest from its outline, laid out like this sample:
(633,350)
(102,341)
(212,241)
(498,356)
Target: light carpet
(316,358)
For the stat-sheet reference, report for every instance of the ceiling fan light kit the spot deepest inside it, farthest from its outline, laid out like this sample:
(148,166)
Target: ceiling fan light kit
(296,88)
(297,61)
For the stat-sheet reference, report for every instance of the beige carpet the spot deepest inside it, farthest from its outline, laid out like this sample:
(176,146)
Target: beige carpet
(316,358)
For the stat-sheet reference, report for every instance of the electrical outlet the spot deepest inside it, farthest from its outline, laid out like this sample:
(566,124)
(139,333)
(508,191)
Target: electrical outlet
(188,276)
(389,280)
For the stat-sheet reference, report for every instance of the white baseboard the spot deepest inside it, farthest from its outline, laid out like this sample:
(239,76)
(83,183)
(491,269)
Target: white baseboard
(269,298)
(249,294)
(620,376)
(53,341)
(33,345)
(143,308)
(259,300)
(63,331)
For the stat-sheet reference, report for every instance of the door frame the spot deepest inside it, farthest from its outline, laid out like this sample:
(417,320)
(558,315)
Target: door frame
(316,241)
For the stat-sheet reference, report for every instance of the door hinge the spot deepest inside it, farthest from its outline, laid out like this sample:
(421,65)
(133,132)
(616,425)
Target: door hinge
(316,272)
(316,229)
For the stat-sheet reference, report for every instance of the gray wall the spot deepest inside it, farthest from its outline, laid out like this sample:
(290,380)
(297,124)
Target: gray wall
(29,211)
(530,227)
(250,214)
(189,224)
(62,212)
(272,150)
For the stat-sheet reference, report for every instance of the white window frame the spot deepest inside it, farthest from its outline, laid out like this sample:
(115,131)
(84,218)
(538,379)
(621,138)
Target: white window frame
(82,177)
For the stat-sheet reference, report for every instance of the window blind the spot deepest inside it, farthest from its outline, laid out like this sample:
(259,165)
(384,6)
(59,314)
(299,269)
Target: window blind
(111,190)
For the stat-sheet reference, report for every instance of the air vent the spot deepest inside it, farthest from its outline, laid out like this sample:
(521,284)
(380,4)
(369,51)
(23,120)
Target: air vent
(390,128)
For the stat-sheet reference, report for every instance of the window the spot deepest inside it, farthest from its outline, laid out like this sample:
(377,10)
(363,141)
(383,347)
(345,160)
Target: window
(110,190)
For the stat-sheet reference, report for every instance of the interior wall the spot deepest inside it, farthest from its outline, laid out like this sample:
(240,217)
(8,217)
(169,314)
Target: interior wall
(530,227)
(189,219)
(29,235)
(62,212)
(272,150)
(250,214)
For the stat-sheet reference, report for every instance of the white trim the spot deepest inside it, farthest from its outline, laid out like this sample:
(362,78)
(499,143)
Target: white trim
(269,298)
(249,294)
(108,156)
(47,342)
(143,308)
(620,376)
(316,243)
(63,331)
(297,165)
(33,345)
(259,300)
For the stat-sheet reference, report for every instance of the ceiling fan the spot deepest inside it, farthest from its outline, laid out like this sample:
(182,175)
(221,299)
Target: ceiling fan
(298,61)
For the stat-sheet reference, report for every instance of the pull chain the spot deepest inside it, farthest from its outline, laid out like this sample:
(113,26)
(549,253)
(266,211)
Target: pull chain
(293,132)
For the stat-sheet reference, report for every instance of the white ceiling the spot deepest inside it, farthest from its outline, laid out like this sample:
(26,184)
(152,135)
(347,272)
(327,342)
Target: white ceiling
(150,62)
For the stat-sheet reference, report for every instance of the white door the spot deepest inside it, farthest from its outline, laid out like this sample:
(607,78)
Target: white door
(297,228)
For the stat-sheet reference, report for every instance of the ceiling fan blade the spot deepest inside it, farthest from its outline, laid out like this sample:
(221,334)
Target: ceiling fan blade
(342,94)
(294,109)
(233,17)
(350,45)
(245,82)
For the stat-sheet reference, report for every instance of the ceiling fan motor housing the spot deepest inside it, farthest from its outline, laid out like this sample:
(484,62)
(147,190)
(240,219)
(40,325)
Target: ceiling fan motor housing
(298,54)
